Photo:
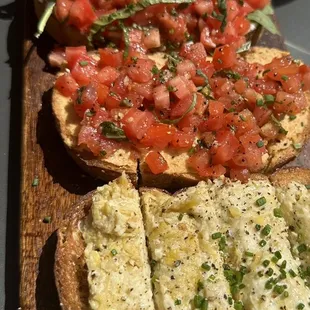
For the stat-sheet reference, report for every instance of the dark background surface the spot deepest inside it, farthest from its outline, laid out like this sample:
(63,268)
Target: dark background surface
(294,20)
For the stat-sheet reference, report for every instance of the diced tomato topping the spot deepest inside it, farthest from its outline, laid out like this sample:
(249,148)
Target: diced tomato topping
(141,70)
(151,38)
(156,162)
(85,98)
(224,57)
(186,68)
(240,174)
(178,87)
(75,54)
(182,140)
(161,97)
(108,75)
(66,85)
(136,123)
(110,57)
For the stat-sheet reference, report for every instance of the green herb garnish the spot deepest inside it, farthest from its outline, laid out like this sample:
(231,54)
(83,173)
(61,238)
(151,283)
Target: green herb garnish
(111,131)
(261,201)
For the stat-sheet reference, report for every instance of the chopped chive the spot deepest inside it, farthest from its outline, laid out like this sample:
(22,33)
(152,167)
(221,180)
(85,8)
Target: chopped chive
(262,243)
(269,272)
(257,227)
(284,77)
(204,305)
(198,301)
(211,278)
(177,302)
(283,265)
(260,102)
(302,248)
(269,284)
(269,99)
(266,263)
(266,230)
(277,212)
(260,273)
(205,266)
(222,244)
(292,273)
(216,235)
(238,305)
(261,201)
(279,289)
(47,219)
(300,306)
(283,274)
(200,285)
(307,186)
(292,117)
(297,146)
(180,216)
(113,252)
(286,294)
(260,144)
(249,254)
(274,259)
(35,182)
(155,70)
(278,254)
(83,63)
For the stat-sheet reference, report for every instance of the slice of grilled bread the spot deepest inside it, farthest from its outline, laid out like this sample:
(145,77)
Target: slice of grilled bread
(178,174)
(178,229)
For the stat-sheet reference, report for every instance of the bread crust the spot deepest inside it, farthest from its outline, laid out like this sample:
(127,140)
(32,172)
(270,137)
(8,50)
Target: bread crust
(178,174)
(284,176)
(70,269)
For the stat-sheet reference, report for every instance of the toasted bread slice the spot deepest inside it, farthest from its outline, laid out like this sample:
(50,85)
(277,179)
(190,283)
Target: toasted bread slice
(178,174)
(101,259)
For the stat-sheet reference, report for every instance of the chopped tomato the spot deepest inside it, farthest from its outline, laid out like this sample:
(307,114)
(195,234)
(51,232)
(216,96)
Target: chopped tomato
(194,52)
(189,122)
(186,68)
(85,98)
(110,57)
(66,85)
(108,75)
(225,147)
(242,25)
(141,70)
(102,93)
(262,115)
(143,89)
(224,57)
(161,97)
(156,162)
(203,7)
(136,123)
(62,9)
(75,54)
(151,38)
(182,140)
(178,87)
(81,14)
(181,107)
(240,174)
(84,71)
(158,136)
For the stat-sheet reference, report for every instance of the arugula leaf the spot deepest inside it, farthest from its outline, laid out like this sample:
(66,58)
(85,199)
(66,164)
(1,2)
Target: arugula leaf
(264,20)
(126,12)
(44,18)
(111,131)
(175,121)
(245,47)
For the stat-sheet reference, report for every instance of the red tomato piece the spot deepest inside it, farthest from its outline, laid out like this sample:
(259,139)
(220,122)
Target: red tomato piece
(75,54)
(306,81)
(108,75)
(84,71)
(179,109)
(186,68)
(240,86)
(144,89)
(182,140)
(102,93)
(205,38)
(140,71)
(194,52)
(156,162)
(62,9)
(240,174)
(66,85)
(158,136)
(199,161)
(151,38)
(203,7)
(242,25)
(211,124)
(224,57)
(81,14)
(225,148)
(161,97)
(110,57)
(216,108)
(136,123)
(189,122)
(85,98)
(262,115)
(178,87)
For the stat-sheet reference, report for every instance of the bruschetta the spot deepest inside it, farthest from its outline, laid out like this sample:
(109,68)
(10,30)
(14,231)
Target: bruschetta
(183,117)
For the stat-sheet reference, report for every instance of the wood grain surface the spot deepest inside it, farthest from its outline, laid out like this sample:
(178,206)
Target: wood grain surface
(60,181)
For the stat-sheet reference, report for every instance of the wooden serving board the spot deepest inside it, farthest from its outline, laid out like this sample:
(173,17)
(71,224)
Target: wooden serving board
(60,180)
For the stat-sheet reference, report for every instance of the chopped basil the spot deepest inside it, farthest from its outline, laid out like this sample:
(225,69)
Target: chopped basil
(126,12)
(191,151)
(266,71)
(284,77)
(155,70)
(111,131)
(277,212)
(175,121)
(245,47)
(177,302)
(200,286)
(279,125)
(126,39)
(126,103)
(113,252)
(222,6)
(202,74)
(242,117)
(44,18)
(279,289)
(47,219)
(79,95)
(83,63)
(260,102)
(263,19)
(292,117)
(90,112)
(261,201)
(35,182)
